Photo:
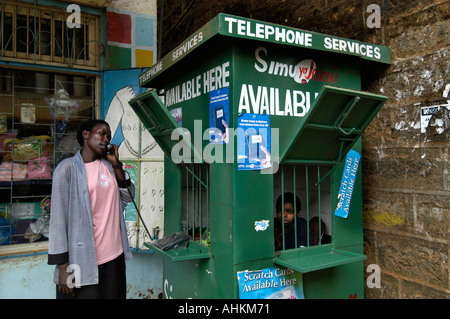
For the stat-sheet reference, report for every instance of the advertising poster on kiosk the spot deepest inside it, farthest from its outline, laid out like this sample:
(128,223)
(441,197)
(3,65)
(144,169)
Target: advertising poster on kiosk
(254,145)
(219,115)
(270,283)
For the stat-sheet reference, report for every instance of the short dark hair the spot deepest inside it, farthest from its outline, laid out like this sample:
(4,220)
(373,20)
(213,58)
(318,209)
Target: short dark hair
(288,198)
(88,126)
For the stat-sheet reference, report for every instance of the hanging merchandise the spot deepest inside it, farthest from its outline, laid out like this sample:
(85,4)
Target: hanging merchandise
(62,108)
(40,227)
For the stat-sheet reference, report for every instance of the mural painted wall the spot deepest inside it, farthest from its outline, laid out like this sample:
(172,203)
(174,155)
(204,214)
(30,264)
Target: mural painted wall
(131,46)
(131,39)
(140,154)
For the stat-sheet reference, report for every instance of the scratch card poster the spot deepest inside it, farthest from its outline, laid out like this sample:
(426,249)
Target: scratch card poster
(270,283)
(347,184)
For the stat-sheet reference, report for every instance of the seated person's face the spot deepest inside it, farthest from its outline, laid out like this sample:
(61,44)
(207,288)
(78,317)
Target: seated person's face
(288,213)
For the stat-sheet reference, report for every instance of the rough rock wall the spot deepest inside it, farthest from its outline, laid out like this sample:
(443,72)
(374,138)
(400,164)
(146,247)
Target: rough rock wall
(406,177)
(406,180)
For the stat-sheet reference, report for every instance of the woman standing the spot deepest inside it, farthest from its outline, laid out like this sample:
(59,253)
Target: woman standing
(87,237)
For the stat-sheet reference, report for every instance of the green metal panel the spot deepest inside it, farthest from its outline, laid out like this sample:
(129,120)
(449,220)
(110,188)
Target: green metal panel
(317,258)
(190,251)
(161,124)
(333,124)
(349,231)
(253,202)
(341,282)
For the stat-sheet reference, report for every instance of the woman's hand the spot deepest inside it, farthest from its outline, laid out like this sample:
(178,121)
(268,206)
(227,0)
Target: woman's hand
(113,158)
(63,278)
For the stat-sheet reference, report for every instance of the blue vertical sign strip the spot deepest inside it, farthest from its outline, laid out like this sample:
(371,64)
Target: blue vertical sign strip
(347,183)
(219,115)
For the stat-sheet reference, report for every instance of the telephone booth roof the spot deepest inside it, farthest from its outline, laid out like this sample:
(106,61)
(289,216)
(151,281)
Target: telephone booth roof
(250,29)
(338,115)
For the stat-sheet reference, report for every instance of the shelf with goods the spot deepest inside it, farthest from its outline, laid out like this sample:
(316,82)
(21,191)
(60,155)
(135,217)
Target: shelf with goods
(37,131)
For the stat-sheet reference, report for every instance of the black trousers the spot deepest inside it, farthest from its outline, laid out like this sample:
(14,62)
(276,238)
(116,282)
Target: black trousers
(112,283)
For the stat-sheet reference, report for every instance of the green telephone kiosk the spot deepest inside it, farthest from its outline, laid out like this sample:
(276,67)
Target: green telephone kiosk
(262,111)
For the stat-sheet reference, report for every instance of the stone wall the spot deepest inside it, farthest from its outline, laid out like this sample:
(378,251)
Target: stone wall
(406,174)
(406,177)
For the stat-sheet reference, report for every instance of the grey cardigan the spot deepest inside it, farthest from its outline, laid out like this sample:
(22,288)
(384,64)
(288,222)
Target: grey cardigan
(71,231)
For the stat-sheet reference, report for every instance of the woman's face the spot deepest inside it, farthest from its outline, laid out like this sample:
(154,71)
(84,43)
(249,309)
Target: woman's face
(97,139)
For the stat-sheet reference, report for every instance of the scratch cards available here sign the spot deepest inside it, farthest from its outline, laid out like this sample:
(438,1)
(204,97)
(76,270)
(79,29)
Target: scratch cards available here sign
(347,183)
(270,283)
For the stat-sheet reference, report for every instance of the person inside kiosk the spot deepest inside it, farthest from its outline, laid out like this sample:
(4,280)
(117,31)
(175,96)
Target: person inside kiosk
(323,237)
(293,224)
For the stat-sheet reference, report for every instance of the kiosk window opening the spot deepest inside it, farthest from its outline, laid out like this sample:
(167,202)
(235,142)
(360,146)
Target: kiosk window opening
(302,206)
(195,212)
